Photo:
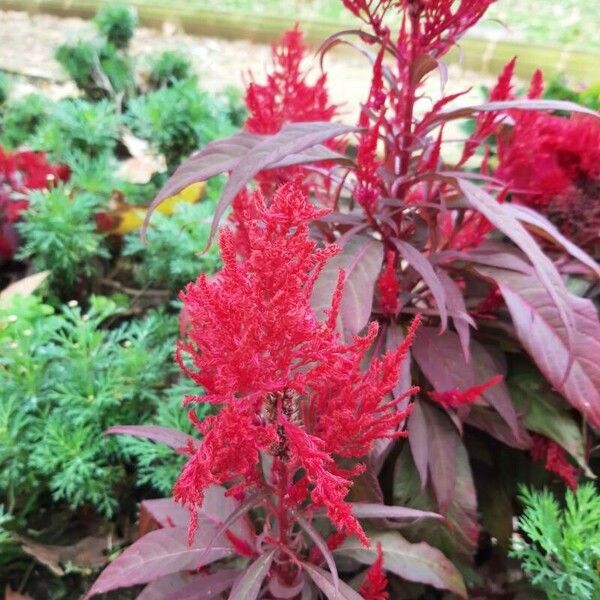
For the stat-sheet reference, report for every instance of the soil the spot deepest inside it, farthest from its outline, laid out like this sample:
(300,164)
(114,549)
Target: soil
(27,43)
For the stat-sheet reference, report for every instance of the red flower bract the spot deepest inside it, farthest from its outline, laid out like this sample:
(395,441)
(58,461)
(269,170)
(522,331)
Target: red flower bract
(288,386)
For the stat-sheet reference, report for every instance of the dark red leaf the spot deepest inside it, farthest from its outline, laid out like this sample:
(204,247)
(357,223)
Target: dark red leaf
(542,332)
(324,581)
(321,544)
(543,227)
(162,512)
(165,586)
(248,584)
(361,259)
(413,562)
(418,439)
(441,359)
(504,220)
(274,151)
(177,440)
(159,553)
(205,587)
(443,442)
(423,266)
(363,510)
(457,310)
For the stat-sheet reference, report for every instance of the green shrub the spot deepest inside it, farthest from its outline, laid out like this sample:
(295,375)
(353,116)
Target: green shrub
(78,127)
(65,379)
(59,234)
(179,119)
(169,258)
(559,548)
(236,105)
(4,88)
(21,119)
(168,68)
(117,23)
(97,68)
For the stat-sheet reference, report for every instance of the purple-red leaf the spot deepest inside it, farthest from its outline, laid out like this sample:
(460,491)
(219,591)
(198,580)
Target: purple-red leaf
(522,104)
(324,581)
(321,544)
(362,510)
(441,359)
(165,586)
(164,512)
(414,562)
(418,439)
(443,441)
(423,266)
(361,259)
(157,554)
(543,227)
(177,440)
(272,152)
(505,221)
(457,309)
(205,587)
(248,584)
(542,332)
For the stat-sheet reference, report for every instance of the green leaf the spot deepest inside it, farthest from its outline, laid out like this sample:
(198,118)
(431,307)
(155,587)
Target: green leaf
(543,412)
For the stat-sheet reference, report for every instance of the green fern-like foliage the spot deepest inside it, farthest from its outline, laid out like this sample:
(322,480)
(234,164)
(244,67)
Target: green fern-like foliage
(168,68)
(178,120)
(559,547)
(21,119)
(169,258)
(157,465)
(66,378)
(78,127)
(59,234)
(117,23)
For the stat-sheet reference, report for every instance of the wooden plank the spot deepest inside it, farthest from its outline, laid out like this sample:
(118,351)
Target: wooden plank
(480,55)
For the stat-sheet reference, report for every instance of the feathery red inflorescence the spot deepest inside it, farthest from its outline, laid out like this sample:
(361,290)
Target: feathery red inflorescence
(555,459)
(287,97)
(374,585)
(286,382)
(456,398)
(388,286)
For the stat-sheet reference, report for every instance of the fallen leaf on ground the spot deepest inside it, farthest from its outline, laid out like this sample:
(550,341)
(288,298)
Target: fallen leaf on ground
(23,287)
(87,553)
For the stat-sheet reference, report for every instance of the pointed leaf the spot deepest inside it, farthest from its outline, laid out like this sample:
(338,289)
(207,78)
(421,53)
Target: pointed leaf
(443,442)
(443,363)
(544,413)
(414,562)
(423,266)
(205,587)
(324,582)
(293,138)
(164,512)
(362,510)
(418,439)
(504,220)
(361,259)
(165,586)
(247,586)
(457,309)
(177,440)
(541,225)
(321,544)
(542,332)
(158,553)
